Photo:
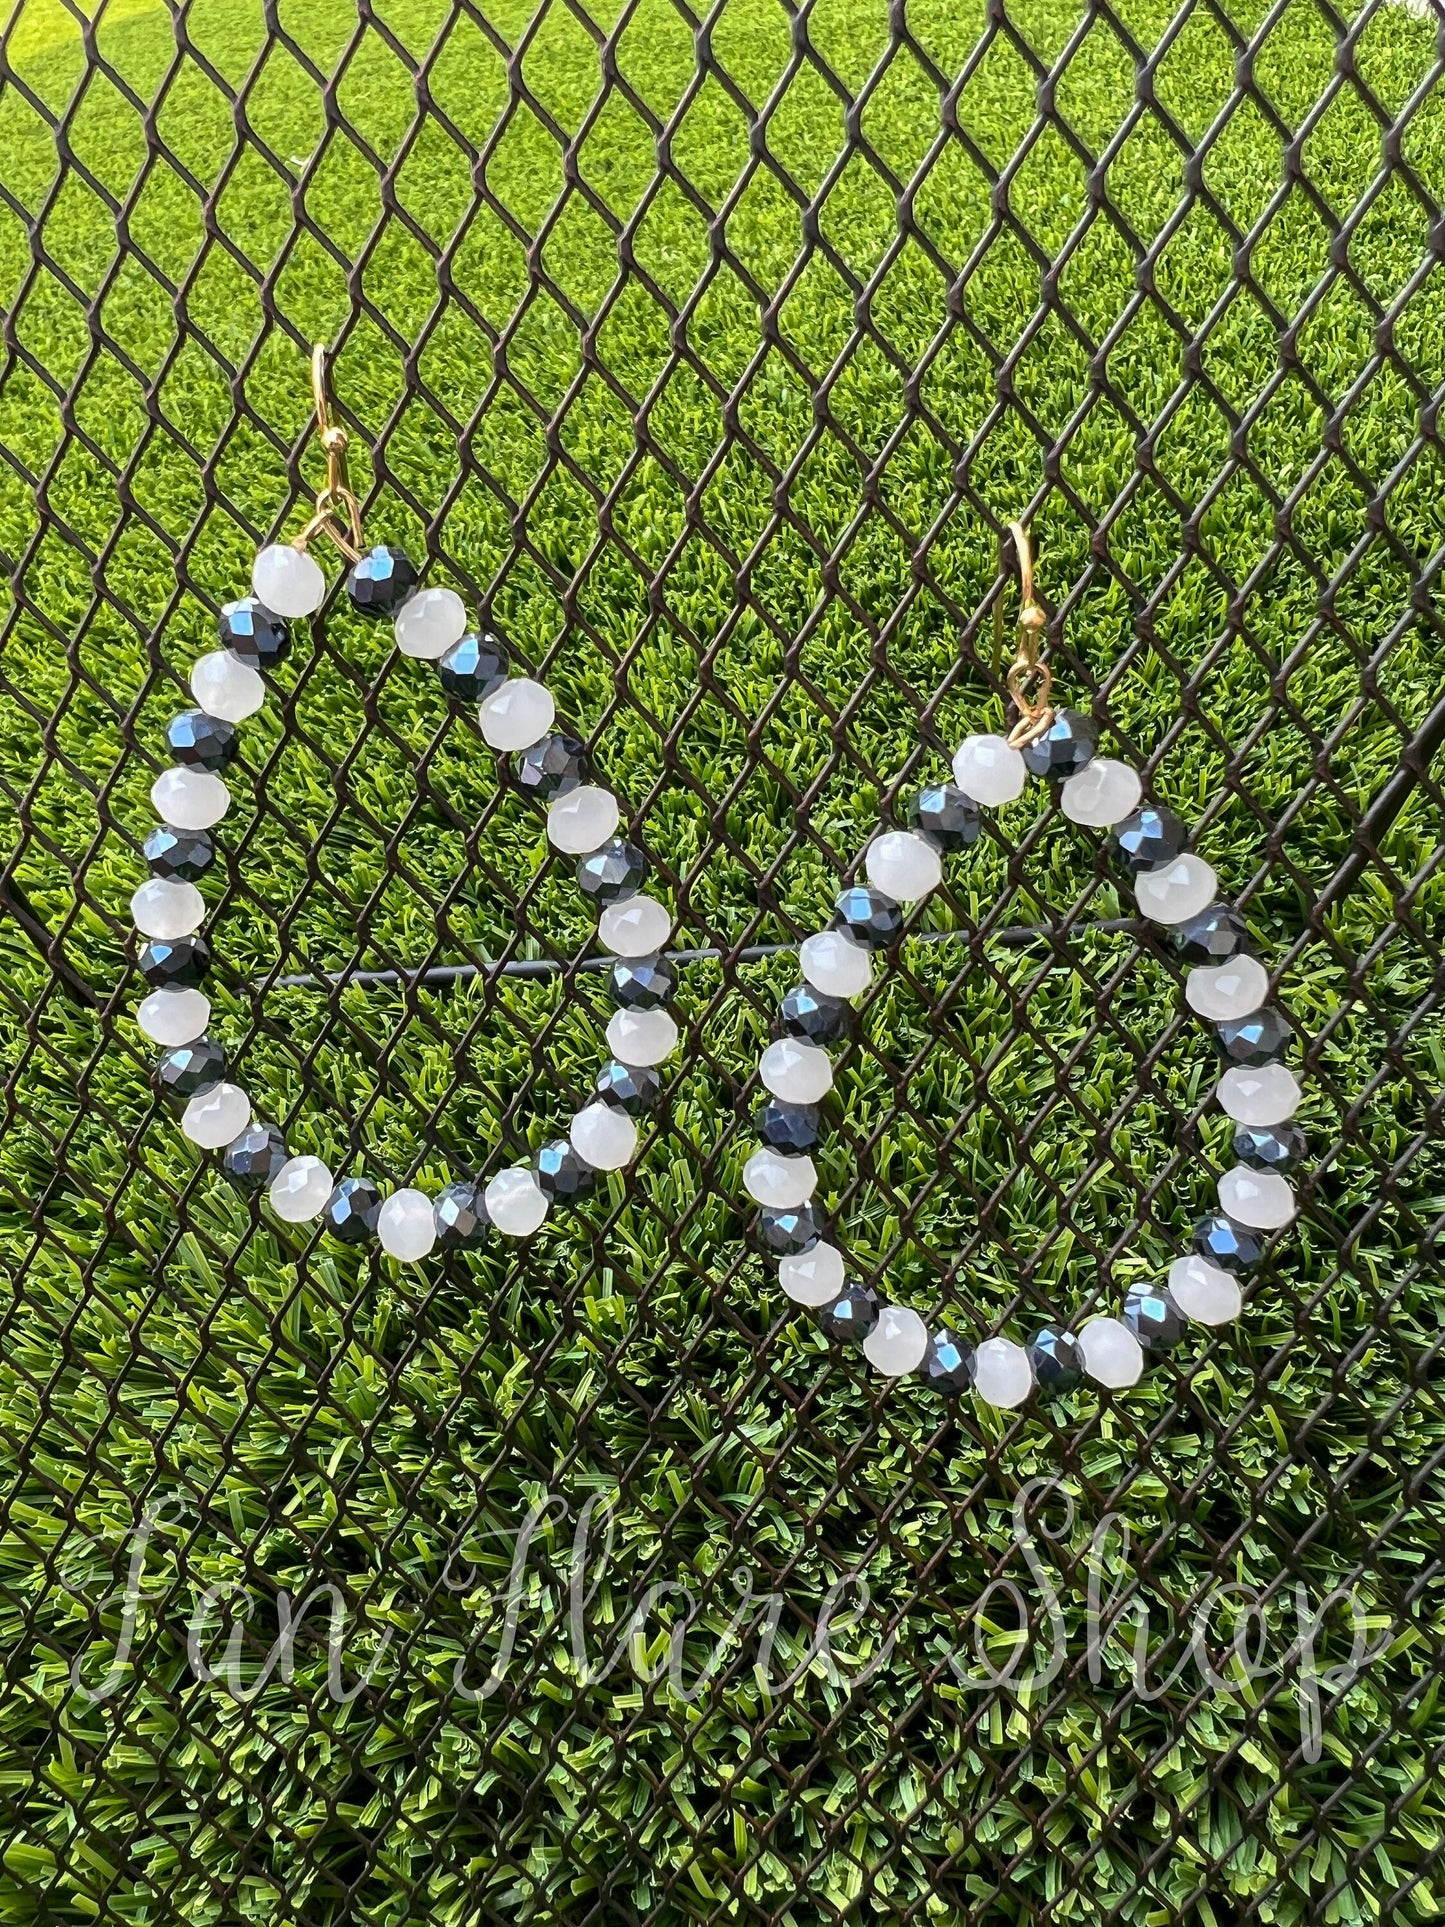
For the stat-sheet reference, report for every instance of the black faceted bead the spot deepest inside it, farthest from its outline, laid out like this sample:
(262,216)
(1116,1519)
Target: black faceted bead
(805,1012)
(1148,838)
(945,817)
(562,1174)
(784,1232)
(787,1127)
(254,1158)
(251,632)
(352,1211)
(1212,937)
(381,581)
(628,1087)
(174,961)
(473,668)
(948,1363)
(868,916)
(461,1216)
(1153,1317)
(1269,1147)
(1068,745)
(852,1315)
(201,741)
(1233,1247)
(617,870)
(1057,1361)
(179,853)
(187,1069)
(550,768)
(642,983)
(1260,1038)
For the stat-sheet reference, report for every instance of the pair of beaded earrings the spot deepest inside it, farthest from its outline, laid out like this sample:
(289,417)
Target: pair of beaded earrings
(1227,988)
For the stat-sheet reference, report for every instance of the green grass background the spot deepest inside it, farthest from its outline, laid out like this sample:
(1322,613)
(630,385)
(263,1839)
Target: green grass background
(327,1416)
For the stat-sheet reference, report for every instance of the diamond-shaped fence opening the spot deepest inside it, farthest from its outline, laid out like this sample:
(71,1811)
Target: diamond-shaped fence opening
(707,354)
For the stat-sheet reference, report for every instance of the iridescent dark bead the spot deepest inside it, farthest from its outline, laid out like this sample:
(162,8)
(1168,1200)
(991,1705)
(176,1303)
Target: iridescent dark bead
(562,1174)
(617,870)
(642,983)
(868,916)
(1269,1147)
(251,632)
(187,1069)
(352,1211)
(1260,1038)
(628,1087)
(852,1315)
(179,853)
(788,1127)
(1148,838)
(805,1012)
(1153,1317)
(201,741)
(174,961)
(381,581)
(461,1216)
(948,1363)
(1231,1246)
(1056,1359)
(1212,937)
(1068,745)
(550,768)
(473,668)
(781,1232)
(254,1158)
(945,817)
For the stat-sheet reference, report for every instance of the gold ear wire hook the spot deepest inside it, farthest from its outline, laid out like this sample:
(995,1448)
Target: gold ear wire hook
(336,498)
(1029,681)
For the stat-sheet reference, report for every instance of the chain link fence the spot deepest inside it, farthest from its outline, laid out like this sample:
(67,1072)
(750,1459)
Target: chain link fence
(708,352)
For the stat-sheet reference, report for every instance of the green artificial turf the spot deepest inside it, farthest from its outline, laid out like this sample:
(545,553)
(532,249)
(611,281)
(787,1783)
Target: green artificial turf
(312,1414)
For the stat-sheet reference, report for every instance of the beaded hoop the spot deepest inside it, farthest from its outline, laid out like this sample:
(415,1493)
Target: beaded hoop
(516,714)
(1226,989)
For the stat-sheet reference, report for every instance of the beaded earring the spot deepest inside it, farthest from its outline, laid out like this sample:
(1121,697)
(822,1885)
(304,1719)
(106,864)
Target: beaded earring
(1227,989)
(516,716)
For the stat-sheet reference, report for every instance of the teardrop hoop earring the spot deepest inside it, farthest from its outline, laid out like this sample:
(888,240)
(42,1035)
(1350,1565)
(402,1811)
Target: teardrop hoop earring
(1226,989)
(516,715)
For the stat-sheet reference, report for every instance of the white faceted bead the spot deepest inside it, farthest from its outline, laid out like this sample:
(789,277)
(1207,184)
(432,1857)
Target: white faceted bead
(1176,890)
(898,1341)
(989,770)
(1263,1094)
(641,1037)
(1262,1199)
(835,964)
(1002,1374)
(1113,1356)
(429,622)
(167,908)
(903,866)
(226,687)
(516,714)
(604,1137)
(288,581)
(516,1203)
(636,927)
(174,1016)
(795,1071)
(1232,989)
(300,1189)
(1102,794)
(406,1225)
(813,1277)
(582,820)
(189,799)
(777,1181)
(216,1116)
(1204,1292)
